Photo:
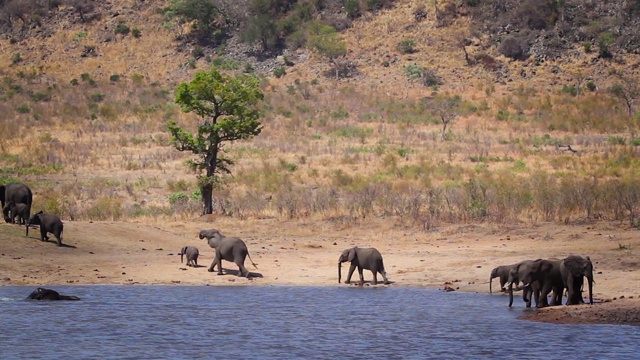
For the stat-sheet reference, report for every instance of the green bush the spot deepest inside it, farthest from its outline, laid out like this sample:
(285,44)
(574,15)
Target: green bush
(16,58)
(136,33)
(178,198)
(406,46)
(23,108)
(279,72)
(114,77)
(123,29)
(97,97)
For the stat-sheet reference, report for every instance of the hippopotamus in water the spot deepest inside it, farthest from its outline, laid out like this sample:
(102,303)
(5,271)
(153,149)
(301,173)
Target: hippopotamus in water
(47,294)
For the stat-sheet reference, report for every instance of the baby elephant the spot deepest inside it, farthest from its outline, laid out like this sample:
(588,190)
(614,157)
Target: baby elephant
(12,210)
(362,258)
(192,255)
(48,224)
(47,294)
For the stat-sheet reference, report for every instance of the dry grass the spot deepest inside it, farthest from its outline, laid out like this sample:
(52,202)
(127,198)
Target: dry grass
(334,150)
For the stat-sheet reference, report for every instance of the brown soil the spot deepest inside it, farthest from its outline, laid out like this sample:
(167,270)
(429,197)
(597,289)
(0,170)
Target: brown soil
(457,257)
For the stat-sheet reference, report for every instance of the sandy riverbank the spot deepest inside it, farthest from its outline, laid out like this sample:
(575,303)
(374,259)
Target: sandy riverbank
(305,254)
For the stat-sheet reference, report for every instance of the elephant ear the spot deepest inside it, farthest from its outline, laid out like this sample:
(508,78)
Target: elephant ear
(352,255)
(575,264)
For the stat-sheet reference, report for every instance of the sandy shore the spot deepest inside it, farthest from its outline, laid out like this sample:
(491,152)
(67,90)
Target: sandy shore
(295,253)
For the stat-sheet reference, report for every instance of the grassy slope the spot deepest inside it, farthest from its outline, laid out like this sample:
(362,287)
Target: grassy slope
(368,126)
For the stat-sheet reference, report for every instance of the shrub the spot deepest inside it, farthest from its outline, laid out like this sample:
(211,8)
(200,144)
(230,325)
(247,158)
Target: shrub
(97,97)
(114,77)
(123,29)
(178,198)
(16,58)
(279,72)
(136,33)
(74,81)
(406,46)
(514,48)
(23,108)
(591,86)
(106,209)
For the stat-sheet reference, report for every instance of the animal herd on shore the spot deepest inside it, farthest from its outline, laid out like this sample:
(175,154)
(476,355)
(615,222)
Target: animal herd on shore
(535,278)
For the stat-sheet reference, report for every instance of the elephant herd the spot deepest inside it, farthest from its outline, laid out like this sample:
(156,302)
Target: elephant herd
(16,200)
(538,278)
(235,250)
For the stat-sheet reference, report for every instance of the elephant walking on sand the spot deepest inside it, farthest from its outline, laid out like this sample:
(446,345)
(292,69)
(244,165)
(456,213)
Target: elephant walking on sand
(192,254)
(48,224)
(227,248)
(502,272)
(362,258)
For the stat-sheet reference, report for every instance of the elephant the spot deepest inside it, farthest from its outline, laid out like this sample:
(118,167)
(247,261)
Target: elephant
(573,269)
(12,210)
(362,258)
(546,273)
(48,294)
(48,224)
(503,273)
(18,193)
(192,255)
(516,274)
(227,248)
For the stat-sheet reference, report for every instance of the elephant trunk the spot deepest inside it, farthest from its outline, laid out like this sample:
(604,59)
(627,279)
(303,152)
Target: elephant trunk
(590,280)
(181,256)
(339,271)
(490,281)
(510,294)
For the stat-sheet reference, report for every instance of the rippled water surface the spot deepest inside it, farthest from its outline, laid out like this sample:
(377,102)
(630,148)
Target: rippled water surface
(205,322)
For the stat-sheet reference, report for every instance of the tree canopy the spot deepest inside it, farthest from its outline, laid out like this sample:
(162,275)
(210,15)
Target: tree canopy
(227,106)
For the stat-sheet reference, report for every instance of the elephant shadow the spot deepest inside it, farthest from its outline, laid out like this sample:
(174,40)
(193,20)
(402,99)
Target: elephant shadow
(237,272)
(370,283)
(54,241)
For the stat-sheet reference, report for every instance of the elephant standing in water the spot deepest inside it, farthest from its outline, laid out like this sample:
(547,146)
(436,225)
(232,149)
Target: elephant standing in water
(227,248)
(503,273)
(48,224)
(18,193)
(362,258)
(573,270)
(516,275)
(48,294)
(13,210)
(546,274)
(192,254)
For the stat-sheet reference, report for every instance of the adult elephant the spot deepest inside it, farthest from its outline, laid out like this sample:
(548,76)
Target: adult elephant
(18,193)
(546,274)
(516,275)
(48,294)
(362,258)
(573,270)
(227,248)
(502,272)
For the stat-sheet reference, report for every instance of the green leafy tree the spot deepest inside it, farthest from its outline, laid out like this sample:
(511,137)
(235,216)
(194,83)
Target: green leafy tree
(262,29)
(227,106)
(210,18)
(326,41)
(626,90)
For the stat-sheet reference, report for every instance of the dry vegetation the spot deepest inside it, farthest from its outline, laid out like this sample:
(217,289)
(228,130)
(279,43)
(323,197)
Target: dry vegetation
(87,132)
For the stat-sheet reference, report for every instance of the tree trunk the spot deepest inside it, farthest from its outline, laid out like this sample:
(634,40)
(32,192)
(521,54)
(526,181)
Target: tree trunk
(207,199)
(443,136)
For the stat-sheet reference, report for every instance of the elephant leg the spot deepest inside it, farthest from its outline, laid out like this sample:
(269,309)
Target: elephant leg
(43,234)
(243,270)
(360,269)
(375,277)
(526,296)
(384,276)
(351,269)
(213,264)
(570,290)
(58,239)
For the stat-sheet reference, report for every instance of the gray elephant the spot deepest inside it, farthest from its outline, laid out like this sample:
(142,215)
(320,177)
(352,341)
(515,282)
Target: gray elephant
(48,224)
(48,294)
(516,275)
(546,274)
(18,193)
(362,258)
(192,254)
(573,270)
(227,248)
(502,272)
(12,210)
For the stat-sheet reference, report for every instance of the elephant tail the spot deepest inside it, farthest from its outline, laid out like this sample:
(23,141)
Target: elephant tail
(252,263)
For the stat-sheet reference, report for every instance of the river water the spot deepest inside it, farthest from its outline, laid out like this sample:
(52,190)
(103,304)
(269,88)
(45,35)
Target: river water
(262,322)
